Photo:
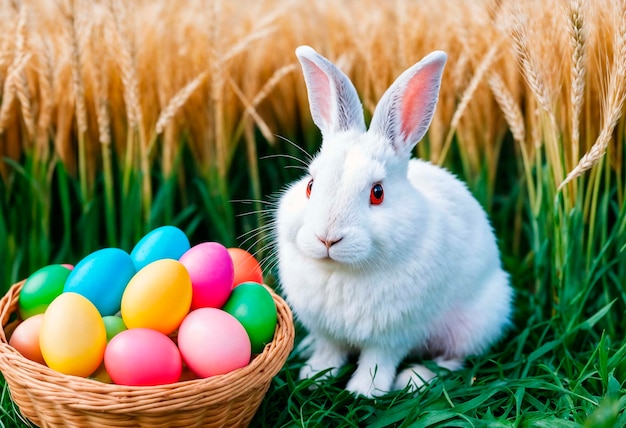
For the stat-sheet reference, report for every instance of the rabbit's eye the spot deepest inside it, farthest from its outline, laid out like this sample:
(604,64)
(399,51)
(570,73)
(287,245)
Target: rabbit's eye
(308,188)
(377,194)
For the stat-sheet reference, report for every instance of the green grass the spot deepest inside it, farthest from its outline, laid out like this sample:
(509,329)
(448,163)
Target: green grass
(563,364)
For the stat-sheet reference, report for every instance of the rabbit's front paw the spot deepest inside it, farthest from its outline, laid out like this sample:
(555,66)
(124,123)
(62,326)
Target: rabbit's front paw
(418,375)
(414,377)
(371,381)
(326,356)
(361,386)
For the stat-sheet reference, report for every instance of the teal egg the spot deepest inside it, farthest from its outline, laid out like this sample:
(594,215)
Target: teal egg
(41,288)
(254,308)
(165,242)
(102,277)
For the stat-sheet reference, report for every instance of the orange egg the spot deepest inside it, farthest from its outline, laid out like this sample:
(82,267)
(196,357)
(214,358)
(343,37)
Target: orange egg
(247,268)
(25,338)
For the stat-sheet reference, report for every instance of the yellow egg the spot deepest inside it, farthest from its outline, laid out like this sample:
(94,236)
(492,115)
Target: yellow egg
(157,297)
(72,336)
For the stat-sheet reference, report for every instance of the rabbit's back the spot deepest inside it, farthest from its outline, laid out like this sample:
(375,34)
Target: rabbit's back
(462,222)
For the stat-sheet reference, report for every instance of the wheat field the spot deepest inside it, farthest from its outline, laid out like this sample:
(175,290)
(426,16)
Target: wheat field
(118,116)
(136,75)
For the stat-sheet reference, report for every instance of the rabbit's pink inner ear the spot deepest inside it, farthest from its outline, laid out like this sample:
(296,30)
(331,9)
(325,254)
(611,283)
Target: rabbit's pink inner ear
(417,102)
(320,97)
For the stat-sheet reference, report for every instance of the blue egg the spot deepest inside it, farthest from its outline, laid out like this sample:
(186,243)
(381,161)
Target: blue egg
(165,242)
(102,277)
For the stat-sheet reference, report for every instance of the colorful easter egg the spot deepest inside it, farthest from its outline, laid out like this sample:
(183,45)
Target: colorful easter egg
(157,297)
(72,336)
(166,242)
(213,342)
(142,357)
(101,277)
(253,306)
(101,374)
(113,325)
(41,288)
(25,338)
(211,270)
(247,268)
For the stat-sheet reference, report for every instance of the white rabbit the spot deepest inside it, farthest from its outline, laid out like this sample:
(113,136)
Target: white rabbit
(382,255)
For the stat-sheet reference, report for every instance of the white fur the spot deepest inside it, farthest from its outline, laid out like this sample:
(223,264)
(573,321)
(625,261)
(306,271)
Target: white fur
(418,274)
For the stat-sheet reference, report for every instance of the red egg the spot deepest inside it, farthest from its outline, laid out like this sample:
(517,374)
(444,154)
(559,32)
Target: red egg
(213,342)
(142,357)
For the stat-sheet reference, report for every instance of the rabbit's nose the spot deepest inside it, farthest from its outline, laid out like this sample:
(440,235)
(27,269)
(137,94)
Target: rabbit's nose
(329,242)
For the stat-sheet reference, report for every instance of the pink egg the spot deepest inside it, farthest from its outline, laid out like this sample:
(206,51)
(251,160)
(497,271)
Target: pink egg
(213,342)
(211,270)
(142,357)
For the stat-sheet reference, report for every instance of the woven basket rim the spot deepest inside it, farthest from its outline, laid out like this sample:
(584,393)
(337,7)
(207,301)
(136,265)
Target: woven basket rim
(89,395)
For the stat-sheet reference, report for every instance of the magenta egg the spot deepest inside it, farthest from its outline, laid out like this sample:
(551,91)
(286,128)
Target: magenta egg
(211,270)
(142,357)
(213,342)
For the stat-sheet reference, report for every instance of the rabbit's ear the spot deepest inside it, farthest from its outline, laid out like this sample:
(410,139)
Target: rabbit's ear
(404,112)
(334,102)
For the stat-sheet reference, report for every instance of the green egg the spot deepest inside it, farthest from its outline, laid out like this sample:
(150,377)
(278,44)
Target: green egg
(41,288)
(255,309)
(113,325)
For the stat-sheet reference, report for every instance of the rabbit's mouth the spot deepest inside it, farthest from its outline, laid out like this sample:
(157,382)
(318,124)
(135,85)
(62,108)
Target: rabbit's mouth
(343,250)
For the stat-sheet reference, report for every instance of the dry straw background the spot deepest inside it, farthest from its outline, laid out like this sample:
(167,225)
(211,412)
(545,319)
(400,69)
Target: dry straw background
(81,76)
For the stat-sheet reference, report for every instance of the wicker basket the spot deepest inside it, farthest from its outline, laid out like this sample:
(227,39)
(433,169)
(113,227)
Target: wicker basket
(52,399)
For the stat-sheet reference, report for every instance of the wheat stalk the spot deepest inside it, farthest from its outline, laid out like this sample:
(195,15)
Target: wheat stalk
(217,73)
(274,79)
(250,110)
(613,101)
(530,68)
(21,83)
(127,66)
(76,61)
(130,83)
(578,40)
(8,91)
(468,95)
(244,44)
(101,83)
(508,105)
(459,71)
(6,55)
(251,105)
(177,102)
(46,96)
